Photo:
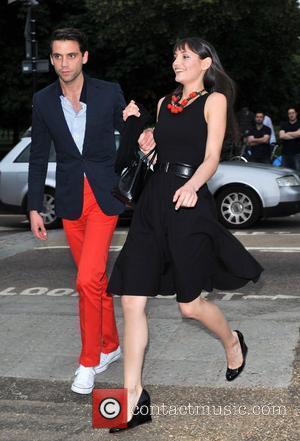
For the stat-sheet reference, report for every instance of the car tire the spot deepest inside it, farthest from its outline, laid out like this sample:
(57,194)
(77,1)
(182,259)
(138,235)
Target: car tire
(48,213)
(238,207)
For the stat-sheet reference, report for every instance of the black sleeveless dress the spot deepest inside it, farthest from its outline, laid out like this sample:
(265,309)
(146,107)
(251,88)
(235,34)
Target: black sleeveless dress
(187,250)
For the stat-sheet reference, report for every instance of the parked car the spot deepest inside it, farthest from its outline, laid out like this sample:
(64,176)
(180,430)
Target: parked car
(244,192)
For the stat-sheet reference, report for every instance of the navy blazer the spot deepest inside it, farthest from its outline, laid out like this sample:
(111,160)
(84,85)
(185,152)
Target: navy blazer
(105,102)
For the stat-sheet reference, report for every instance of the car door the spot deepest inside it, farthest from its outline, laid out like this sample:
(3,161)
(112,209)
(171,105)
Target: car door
(14,173)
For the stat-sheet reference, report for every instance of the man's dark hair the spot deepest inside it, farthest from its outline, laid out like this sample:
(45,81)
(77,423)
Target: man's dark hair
(260,111)
(70,34)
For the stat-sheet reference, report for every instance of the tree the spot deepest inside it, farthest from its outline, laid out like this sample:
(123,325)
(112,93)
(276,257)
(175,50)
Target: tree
(15,87)
(131,42)
(14,104)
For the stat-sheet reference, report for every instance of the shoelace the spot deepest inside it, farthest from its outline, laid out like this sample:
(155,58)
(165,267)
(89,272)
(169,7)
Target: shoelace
(104,357)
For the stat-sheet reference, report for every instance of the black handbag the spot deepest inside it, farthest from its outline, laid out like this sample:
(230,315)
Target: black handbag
(133,179)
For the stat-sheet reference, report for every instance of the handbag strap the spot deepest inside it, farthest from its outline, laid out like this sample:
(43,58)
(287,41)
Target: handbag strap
(147,155)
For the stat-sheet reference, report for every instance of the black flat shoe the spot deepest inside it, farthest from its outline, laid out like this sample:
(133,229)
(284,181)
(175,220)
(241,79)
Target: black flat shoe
(140,416)
(231,374)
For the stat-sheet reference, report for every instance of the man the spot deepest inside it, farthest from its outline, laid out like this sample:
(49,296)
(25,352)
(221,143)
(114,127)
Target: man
(290,135)
(259,140)
(79,114)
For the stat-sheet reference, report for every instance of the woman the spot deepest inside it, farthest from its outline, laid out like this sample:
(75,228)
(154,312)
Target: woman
(175,243)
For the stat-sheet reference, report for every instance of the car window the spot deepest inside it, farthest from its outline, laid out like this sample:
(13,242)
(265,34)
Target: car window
(24,156)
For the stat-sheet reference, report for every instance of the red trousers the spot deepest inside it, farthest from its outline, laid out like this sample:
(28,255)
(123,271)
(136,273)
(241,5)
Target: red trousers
(89,238)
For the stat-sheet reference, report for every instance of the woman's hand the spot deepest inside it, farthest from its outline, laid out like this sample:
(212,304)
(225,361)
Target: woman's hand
(131,109)
(185,196)
(146,141)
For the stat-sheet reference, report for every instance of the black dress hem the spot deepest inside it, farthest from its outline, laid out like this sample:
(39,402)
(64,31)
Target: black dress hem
(183,297)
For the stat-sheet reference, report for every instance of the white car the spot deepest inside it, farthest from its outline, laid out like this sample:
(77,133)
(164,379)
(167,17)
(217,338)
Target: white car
(244,192)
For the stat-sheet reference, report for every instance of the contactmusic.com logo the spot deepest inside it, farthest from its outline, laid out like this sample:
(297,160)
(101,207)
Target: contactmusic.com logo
(109,408)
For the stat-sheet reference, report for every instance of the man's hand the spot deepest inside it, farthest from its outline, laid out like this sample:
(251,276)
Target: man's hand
(131,109)
(286,136)
(37,225)
(294,135)
(262,140)
(146,141)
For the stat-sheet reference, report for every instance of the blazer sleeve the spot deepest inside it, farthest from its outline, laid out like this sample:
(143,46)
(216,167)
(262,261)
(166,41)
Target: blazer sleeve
(129,148)
(120,105)
(38,160)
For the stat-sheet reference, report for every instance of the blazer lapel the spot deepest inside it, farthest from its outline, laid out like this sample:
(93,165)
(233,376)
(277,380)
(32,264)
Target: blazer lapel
(93,102)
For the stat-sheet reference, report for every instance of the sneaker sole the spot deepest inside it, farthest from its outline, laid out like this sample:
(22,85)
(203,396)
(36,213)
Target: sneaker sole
(115,358)
(81,391)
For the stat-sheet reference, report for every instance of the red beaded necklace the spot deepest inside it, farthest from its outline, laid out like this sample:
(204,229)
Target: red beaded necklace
(177,106)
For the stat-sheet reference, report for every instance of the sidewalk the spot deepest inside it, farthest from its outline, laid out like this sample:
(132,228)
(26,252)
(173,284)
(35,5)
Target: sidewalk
(184,365)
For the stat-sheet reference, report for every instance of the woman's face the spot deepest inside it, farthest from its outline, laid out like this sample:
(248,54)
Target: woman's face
(188,66)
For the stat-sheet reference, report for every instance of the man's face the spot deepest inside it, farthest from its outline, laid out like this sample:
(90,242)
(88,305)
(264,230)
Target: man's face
(67,59)
(259,117)
(292,114)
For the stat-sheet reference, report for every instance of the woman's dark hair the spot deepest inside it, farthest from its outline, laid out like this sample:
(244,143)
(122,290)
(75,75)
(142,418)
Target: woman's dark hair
(215,78)
(70,34)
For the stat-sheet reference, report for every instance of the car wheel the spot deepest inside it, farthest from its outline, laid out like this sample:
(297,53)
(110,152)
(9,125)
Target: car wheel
(238,207)
(48,213)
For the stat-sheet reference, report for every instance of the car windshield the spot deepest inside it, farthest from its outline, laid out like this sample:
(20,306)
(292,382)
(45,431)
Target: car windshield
(27,133)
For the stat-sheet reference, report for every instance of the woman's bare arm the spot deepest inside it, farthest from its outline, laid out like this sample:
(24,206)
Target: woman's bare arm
(215,112)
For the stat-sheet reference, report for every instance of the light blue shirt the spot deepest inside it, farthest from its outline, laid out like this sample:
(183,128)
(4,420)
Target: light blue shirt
(76,121)
(268,122)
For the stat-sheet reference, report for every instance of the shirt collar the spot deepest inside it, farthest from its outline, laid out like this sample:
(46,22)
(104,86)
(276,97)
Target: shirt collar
(83,95)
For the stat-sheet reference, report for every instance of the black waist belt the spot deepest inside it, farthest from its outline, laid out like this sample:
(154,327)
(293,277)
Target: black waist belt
(178,168)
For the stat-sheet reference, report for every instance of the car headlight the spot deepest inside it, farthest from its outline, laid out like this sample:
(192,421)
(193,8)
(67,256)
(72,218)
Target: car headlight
(288,181)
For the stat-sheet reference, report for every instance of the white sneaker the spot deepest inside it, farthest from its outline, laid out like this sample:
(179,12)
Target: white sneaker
(84,380)
(106,359)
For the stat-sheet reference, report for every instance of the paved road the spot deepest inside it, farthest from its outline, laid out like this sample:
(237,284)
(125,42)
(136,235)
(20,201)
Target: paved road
(16,223)
(184,364)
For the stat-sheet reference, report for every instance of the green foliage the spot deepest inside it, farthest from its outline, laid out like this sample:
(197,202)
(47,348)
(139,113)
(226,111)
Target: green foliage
(257,42)
(14,106)
(131,42)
